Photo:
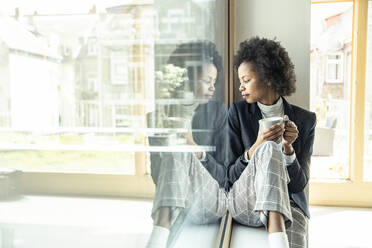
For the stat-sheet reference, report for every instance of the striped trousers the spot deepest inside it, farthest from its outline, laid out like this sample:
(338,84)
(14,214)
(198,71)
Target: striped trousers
(262,187)
(185,185)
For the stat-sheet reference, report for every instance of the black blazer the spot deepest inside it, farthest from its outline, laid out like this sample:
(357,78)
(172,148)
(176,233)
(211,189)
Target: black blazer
(242,133)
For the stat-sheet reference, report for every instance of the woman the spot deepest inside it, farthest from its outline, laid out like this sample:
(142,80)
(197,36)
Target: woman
(266,179)
(192,184)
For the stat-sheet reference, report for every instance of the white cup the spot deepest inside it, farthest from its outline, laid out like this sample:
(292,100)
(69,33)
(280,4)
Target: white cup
(269,122)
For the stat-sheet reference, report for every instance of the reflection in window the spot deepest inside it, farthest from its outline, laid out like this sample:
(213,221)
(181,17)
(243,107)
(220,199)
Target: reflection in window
(83,77)
(91,88)
(74,80)
(92,47)
(119,70)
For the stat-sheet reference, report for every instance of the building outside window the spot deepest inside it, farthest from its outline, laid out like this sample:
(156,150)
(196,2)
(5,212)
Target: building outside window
(334,68)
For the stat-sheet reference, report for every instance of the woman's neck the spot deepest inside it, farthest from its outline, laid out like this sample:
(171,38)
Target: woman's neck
(270,99)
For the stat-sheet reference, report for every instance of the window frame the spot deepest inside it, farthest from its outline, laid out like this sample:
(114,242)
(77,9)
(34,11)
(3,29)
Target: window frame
(139,185)
(353,191)
(119,78)
(338,62)
(92,47)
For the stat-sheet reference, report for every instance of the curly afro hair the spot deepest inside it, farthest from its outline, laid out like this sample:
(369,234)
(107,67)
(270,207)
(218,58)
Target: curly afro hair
(202,52)
(271,63)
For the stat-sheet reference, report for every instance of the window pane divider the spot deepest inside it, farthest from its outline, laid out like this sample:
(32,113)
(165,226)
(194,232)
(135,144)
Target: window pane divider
(360,22)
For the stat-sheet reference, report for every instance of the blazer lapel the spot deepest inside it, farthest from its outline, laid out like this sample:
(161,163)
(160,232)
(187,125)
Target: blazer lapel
(288,110)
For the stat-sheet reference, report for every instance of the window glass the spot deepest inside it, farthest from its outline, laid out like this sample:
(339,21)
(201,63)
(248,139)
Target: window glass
(132,88)
(81,82)
(331,48)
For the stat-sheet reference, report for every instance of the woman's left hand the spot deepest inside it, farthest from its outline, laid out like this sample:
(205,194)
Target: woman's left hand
(190,141)
(190,138)
(290,133)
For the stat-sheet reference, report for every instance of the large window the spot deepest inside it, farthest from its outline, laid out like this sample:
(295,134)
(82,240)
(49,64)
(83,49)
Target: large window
(341,173)
(331,48)
(84,85)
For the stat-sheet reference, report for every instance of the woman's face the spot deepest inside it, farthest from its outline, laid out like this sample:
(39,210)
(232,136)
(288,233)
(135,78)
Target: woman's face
(251,88)
(205,84)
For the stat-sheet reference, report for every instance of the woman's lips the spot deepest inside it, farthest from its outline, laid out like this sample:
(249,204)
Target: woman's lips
(245,95)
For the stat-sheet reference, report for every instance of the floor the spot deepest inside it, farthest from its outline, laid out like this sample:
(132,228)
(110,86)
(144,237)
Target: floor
(340,227)
(59,222)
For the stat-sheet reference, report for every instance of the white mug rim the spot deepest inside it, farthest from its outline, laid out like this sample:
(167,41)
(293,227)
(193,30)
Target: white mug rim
(275,118)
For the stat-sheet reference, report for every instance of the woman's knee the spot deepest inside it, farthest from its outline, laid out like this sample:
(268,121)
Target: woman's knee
(268,152)
(269,145)
(176,161)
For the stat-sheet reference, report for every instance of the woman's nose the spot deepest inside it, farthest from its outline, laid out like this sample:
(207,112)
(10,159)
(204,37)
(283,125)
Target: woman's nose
(241,87)
(211,87)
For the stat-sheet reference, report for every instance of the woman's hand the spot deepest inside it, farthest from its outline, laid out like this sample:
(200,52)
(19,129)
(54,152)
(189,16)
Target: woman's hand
(189,138)
(290,135)
(190,141)
(274,133)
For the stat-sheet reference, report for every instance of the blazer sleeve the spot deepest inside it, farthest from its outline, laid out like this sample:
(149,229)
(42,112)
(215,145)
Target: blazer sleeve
(299,170)
(235,147)
(216,169)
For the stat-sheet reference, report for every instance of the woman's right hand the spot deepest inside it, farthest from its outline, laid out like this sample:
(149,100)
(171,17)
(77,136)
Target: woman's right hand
(274,133)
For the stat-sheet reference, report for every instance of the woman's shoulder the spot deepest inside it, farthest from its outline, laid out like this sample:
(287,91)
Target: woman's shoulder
(214,106)
(307,117)
(301,111)
(212,110)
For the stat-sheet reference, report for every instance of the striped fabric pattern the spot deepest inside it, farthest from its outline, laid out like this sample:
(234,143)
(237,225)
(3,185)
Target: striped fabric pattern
(262,187)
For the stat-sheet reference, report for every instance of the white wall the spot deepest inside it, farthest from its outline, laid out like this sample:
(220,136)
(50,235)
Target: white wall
(289,22)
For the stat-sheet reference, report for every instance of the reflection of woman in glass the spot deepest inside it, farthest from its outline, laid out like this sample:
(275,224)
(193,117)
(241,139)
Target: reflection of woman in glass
(266,179)
(192,183)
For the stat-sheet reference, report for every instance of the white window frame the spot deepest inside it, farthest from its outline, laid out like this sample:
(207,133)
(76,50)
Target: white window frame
(92,47)
(354,191)
(117,77)
(93,84)
(338,62)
